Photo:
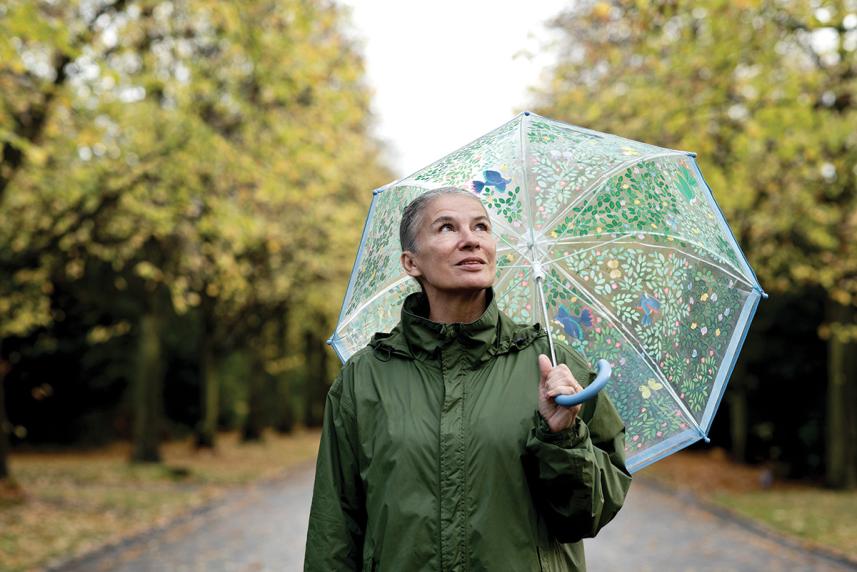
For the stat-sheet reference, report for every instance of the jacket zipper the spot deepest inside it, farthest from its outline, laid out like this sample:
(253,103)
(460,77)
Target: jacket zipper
(439,353)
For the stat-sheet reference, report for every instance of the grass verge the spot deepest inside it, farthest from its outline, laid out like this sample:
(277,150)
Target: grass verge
(822,517)
(812,515)
(71,503)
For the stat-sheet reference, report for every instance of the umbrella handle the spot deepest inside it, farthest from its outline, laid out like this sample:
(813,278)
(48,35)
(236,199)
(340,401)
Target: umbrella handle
(601,379)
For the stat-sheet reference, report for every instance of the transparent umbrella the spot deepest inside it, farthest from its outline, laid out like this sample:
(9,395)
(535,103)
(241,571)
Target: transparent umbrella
(616,246)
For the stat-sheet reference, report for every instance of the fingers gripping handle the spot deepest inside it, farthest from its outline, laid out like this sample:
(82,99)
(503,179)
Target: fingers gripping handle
(601,378)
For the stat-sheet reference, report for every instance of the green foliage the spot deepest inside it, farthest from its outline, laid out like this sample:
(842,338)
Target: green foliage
(217,150)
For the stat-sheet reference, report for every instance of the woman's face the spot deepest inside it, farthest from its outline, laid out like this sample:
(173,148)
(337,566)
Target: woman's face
(456,251)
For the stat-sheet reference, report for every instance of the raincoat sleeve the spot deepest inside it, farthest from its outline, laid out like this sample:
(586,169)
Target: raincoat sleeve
(578,477)
(337,517)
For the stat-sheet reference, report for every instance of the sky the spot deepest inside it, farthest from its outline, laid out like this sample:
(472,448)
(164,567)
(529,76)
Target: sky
(446,72)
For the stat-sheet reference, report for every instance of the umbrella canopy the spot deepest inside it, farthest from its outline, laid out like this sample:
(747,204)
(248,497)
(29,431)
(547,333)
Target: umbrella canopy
(637,263)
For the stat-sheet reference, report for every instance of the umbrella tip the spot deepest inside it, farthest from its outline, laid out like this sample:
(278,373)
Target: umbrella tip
(329,341)
(526,113)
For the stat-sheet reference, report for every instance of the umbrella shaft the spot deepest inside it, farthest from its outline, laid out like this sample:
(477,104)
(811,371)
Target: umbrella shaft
(541,290)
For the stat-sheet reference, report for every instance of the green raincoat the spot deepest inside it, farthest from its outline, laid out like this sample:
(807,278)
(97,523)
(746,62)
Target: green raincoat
(433,455)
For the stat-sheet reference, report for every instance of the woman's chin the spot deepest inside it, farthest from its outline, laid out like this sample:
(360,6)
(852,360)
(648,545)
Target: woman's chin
(474,284)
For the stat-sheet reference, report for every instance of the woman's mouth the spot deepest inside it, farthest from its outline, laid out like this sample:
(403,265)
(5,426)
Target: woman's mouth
(471,263)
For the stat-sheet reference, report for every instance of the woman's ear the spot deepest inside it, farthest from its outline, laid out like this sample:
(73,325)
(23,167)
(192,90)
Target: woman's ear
(409,263)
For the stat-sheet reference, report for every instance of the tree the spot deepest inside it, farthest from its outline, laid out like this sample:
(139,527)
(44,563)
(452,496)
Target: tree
(823,38)
(300,116)
(195,148)
(763,92)
(4,439)
(37,48)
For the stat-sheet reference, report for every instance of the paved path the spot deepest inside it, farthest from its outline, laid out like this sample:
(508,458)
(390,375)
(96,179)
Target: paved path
(659,531)
(264,530)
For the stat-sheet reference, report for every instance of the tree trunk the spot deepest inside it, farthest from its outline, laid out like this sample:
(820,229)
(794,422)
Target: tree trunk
(316,378)
(209,390)
(285,422)
(148,386)
(286,413)
(254,423)
(738,413)
(4,424)
(841,457)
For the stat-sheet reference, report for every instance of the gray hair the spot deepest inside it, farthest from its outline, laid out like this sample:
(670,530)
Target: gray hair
(413,214)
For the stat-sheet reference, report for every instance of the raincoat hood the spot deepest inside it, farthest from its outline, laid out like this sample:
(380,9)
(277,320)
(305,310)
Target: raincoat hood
(417,337)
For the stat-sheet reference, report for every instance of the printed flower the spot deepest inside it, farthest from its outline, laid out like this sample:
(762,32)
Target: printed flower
(651,385)
(613,265)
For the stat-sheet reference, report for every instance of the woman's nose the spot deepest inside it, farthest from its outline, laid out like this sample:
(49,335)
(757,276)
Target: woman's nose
(469,239)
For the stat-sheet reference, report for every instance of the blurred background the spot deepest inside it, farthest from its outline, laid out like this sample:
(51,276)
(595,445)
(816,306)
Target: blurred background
(183,185)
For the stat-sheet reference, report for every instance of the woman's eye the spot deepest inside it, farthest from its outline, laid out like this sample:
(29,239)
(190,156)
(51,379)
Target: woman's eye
(482,226)
(445,227)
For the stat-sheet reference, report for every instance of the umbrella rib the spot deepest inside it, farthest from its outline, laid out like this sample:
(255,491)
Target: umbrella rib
(585,194)
(528,213)
(498,224)
(593,188)
(596,245)
(723,269)
(364,333)
(633,341)
(517,266)
(509,244)
(505,249)
(503,225)
(382,291)
(701,247)
(505,290)
(499,284)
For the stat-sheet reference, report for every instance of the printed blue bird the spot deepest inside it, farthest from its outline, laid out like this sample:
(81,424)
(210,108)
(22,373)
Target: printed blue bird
(492,179)
(573,325)
(649,306)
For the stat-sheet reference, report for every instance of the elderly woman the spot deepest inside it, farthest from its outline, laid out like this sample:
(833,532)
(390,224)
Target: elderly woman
(442,446)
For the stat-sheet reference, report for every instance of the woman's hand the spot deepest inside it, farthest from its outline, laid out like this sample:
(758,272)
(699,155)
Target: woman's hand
(556,381)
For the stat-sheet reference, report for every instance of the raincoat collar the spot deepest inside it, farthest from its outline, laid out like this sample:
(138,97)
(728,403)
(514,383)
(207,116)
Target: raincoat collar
(417,337)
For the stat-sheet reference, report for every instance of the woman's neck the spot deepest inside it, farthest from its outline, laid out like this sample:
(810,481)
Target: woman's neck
(449,308)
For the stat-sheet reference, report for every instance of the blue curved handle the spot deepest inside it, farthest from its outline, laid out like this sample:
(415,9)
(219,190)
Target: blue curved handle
(601,379)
